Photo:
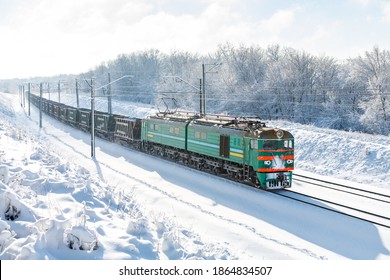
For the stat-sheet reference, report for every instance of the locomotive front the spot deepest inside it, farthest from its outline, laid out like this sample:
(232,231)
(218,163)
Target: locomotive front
(273,154)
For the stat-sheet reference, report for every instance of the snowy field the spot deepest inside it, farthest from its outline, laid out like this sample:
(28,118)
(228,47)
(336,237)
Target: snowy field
(57,203)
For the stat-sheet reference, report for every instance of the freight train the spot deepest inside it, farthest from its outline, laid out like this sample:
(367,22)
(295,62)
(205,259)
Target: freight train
(238,148)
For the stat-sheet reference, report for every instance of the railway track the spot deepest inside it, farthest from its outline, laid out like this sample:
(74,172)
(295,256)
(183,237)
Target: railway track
(343,188)
(365,205)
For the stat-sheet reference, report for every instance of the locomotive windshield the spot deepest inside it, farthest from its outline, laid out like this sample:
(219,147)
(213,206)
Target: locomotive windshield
(277,144)
(270,144)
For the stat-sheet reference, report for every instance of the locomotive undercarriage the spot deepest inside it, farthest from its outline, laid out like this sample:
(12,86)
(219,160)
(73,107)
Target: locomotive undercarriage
(223,168)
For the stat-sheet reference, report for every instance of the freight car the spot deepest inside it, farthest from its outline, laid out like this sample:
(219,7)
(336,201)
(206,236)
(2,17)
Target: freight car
(241,149)
(128,131)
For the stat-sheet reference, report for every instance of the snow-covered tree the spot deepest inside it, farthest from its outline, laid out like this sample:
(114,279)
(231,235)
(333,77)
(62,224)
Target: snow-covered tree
(374,70)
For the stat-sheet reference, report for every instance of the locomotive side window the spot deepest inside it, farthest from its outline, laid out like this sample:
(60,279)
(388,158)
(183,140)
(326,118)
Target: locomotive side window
(254,144)
(270,145)
(174,130)
(200,135)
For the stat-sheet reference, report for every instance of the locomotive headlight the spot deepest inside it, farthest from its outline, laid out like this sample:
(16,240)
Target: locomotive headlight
(279,134)
(267,162)
(289,161)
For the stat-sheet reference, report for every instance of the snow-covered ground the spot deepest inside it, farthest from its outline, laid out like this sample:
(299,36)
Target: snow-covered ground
(58,203)
(354,156)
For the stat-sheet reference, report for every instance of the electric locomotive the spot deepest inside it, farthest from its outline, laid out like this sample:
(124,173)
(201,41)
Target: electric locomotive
(243,149)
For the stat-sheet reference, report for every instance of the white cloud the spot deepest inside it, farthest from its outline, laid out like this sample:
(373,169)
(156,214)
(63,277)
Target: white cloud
(363,3)
(48,37)
(280,21)
(198,33)
(75,16)
(386,13)
(325,39)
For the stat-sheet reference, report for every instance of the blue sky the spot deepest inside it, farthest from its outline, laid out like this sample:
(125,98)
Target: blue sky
(49,37)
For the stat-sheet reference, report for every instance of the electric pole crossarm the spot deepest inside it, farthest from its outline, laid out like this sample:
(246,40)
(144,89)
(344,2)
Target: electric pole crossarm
(179,79)
(93,96)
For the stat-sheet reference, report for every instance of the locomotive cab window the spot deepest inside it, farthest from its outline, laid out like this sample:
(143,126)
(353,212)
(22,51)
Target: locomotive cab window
(287,144)
(270,144)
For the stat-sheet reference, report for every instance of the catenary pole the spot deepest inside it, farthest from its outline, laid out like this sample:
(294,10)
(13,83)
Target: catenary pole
(59,91)
(40,104)
(24,97)
(200,97)
(92,119)
(204,88)
(29,98)
(77,94)
(109,99)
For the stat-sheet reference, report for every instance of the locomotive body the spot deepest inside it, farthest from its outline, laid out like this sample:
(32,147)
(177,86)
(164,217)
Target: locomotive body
(241,149)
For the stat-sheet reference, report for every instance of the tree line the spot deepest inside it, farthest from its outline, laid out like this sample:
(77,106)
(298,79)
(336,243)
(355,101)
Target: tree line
(271,83)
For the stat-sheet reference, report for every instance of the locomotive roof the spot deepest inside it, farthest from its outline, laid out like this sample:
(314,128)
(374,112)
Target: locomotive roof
(211,120)
(177,116)
(250,127)
(229,121)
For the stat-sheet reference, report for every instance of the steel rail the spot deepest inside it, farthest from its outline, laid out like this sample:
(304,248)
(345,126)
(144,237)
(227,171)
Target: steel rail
(282,193)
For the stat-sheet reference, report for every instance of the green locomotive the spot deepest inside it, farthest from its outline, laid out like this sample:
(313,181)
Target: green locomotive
(242,149)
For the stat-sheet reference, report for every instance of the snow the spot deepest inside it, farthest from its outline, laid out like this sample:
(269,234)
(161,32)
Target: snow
(354,156)
(59,204)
